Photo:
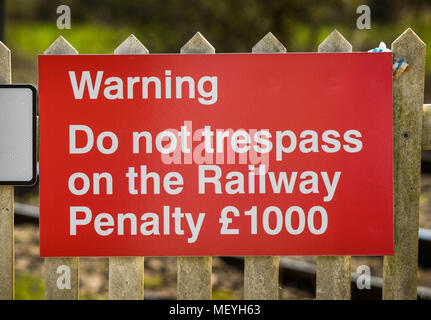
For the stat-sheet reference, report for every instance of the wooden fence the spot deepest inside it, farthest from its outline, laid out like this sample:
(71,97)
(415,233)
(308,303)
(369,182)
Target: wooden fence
(411,132)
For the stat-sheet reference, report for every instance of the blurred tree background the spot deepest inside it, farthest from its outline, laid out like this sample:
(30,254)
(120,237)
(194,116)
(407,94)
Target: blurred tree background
(163,26)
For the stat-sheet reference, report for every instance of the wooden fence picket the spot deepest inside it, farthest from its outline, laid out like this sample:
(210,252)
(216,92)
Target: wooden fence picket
(7,256)
(61,274)
(333,272)
(400,270)
(126,274)
(261,273)
(194,273)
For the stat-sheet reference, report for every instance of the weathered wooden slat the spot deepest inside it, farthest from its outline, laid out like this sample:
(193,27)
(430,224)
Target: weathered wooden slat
(333,272)
(61,274)
(7,269)
(126,274)
(269,44)
(194,273)
(426,127)
(261,273)
(61,46)
(131,46)
(261,276)
(61,278)
(197,44)
(194,278)
(333,278)
(400,270)
(126,278)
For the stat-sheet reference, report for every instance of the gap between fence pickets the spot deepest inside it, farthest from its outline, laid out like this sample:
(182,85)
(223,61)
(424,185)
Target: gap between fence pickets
(61,274)
(7,254)
(261,273)
(126,274)
(426,127)
(333,272)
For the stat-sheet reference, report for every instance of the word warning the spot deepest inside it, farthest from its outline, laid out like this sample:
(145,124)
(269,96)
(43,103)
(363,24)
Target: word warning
(225,154)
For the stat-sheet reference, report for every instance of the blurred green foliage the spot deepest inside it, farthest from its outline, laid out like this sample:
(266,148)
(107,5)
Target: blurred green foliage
(87,38)
(152,282)
(32,287)
(222,294)
(98,26)
(28,287)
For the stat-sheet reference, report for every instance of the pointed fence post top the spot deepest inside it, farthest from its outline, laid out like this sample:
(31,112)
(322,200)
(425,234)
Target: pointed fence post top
(335,42)
(131,46)
(197,44)
(269,43)
(408,36)
(408,45)
(61,46)
(5,64)
(3,49)
(410,48)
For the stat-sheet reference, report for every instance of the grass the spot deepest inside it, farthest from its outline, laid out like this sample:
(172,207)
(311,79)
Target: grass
(152,282)
(29,287)
(220,294)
